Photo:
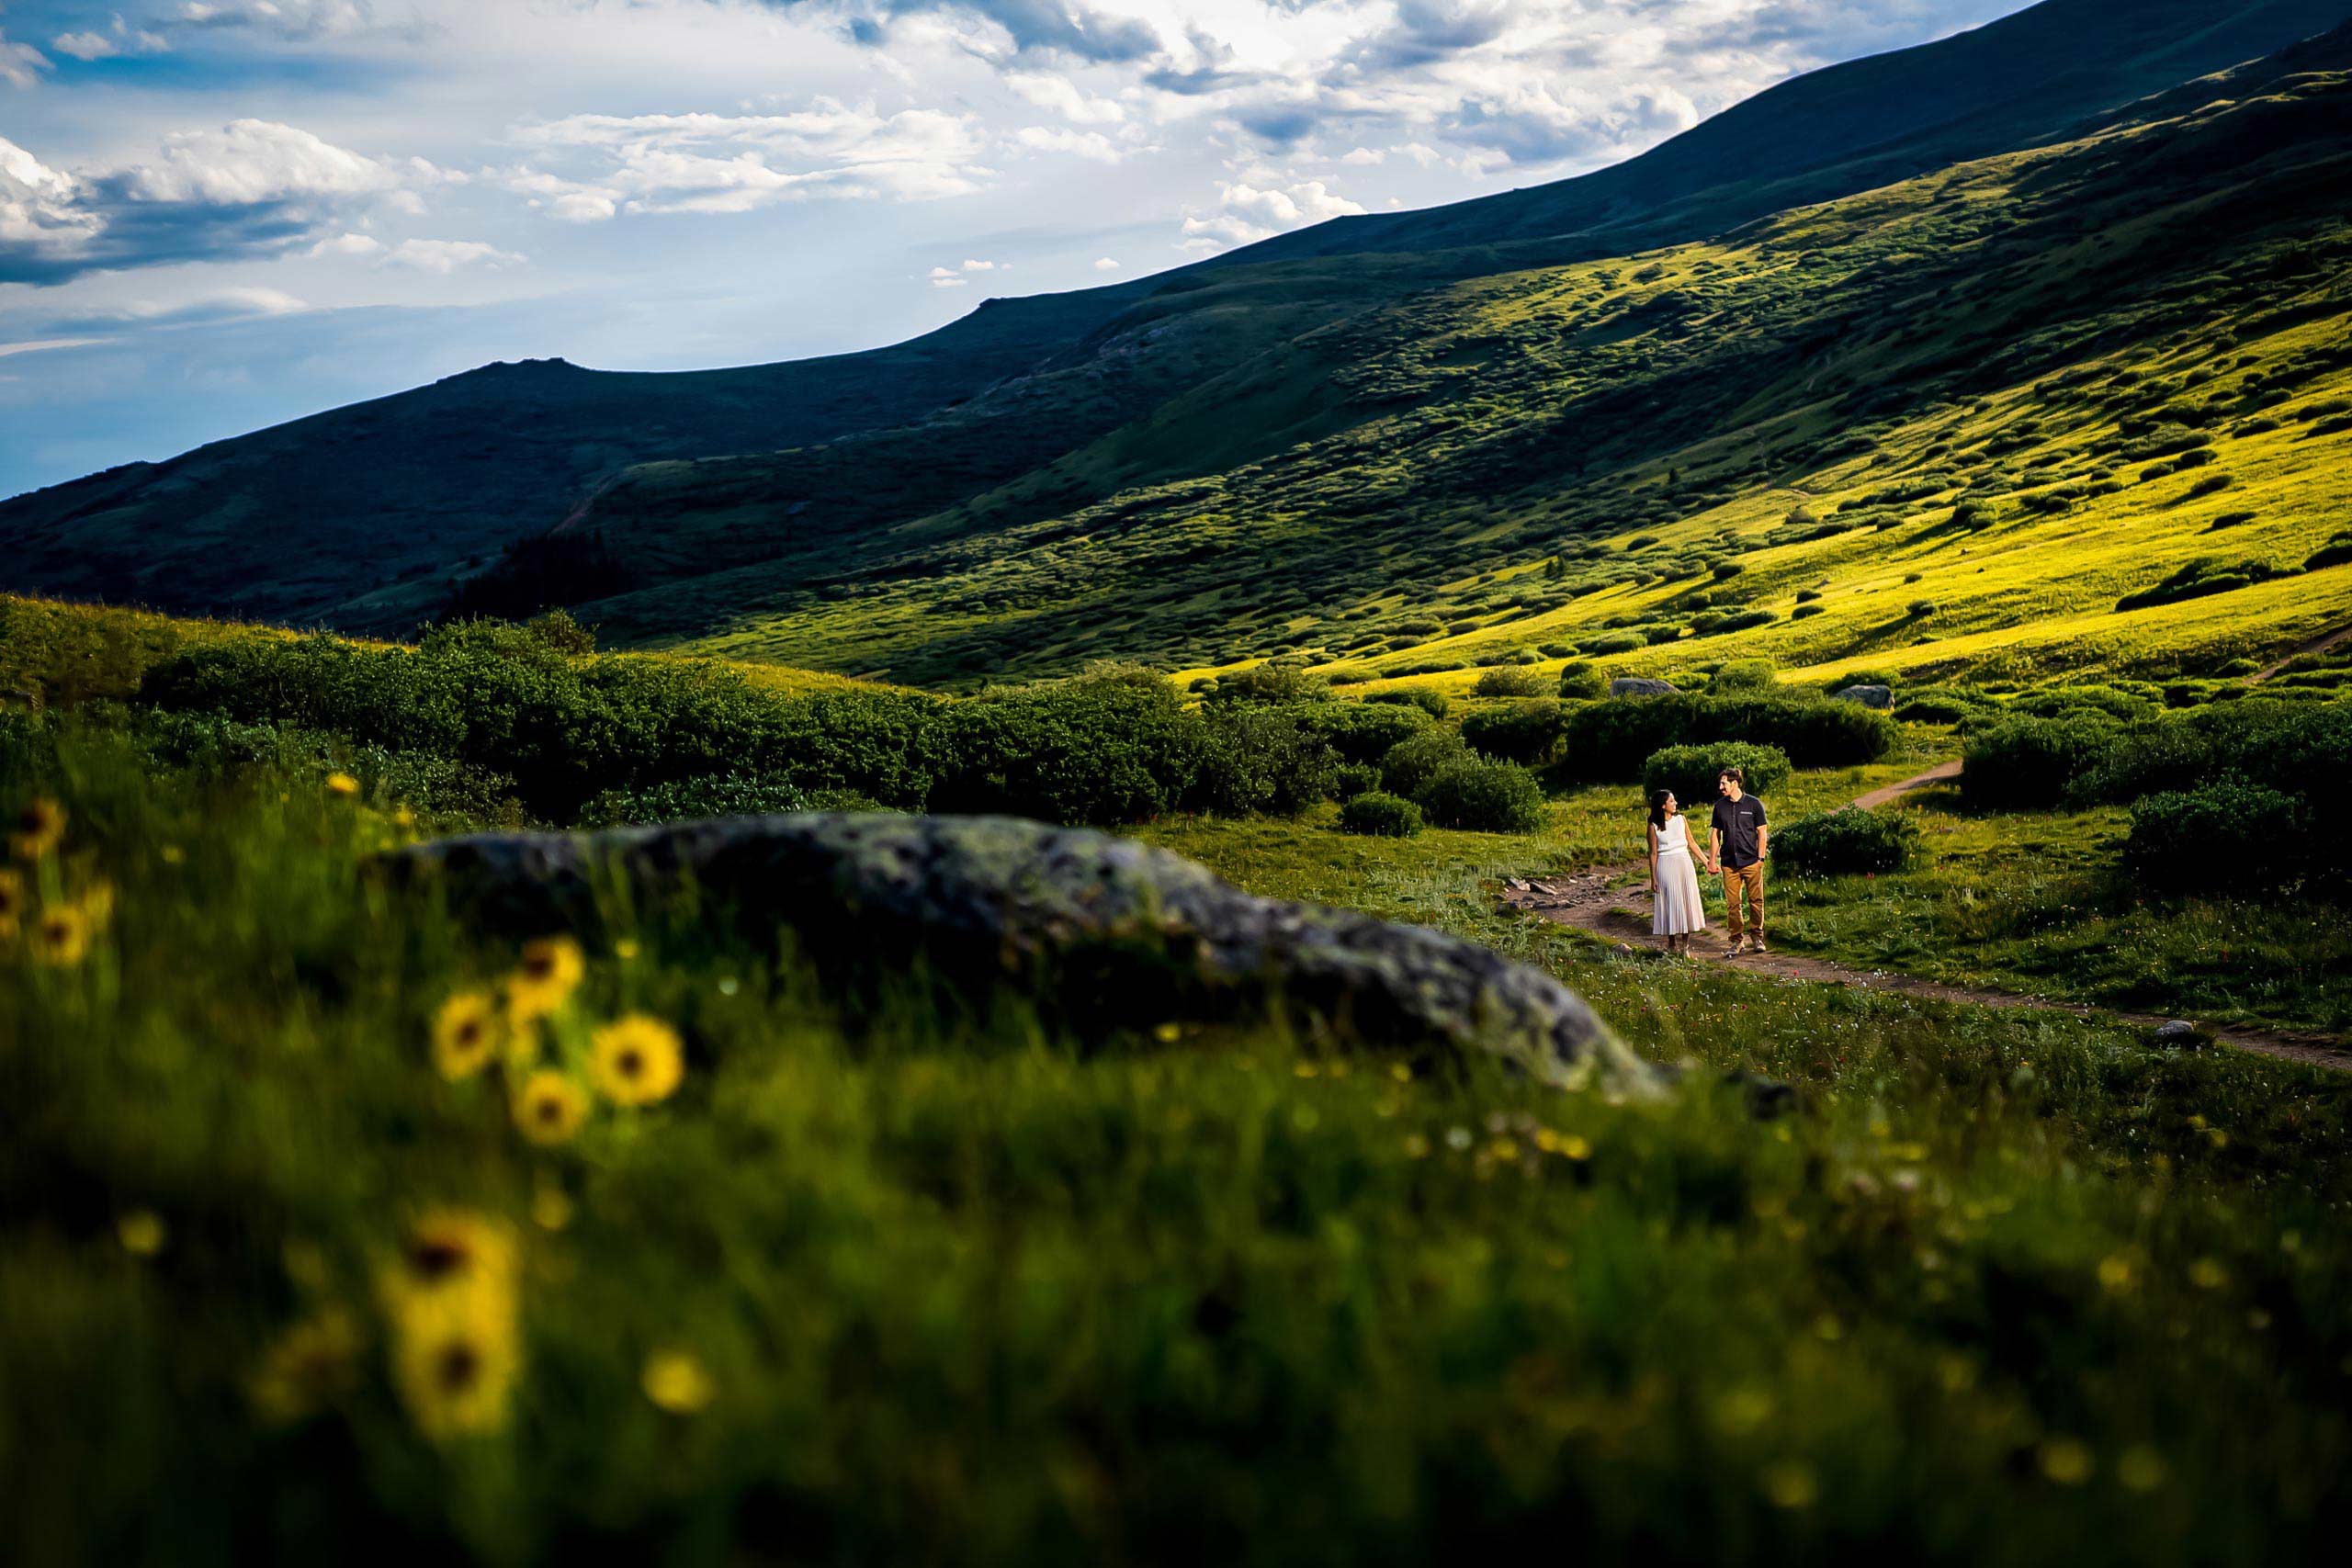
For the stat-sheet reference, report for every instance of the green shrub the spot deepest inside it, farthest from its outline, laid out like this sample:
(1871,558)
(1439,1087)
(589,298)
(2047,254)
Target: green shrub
(1352,779)
(1261,758)
(1583,682)
(1483,796)
(1433,703)
(1847,843)
(1608,643)
(2200,579)
(1610,742)
(1690,771)
(1413,762)
(1527,732)
(1099,748)
(1364,732)
(2229,836)
(1941,708)
(1510,681)
(1745,676)
(1276,681)
(713,795)
(2301,750)
(2060,700)
(2022,763)
(1380,815)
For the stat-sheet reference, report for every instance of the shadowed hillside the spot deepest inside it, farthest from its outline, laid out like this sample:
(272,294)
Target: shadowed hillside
(367,517)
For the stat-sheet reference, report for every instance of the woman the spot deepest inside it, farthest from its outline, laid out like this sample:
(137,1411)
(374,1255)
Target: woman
(1674,876)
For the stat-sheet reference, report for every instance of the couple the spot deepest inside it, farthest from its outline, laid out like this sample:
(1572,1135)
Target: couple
(1736,848)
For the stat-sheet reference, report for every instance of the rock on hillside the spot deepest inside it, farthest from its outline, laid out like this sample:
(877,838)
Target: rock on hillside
(1106,933)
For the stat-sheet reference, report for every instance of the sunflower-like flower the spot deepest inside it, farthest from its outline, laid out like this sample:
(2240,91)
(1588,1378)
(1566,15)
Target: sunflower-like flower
(14,900)
(636,1060)
(342,784)
(676,1381)
(61,935)
(549,1107)
(311,1364)
(550,971)
(449,1298)
(40,828)
(466,1032)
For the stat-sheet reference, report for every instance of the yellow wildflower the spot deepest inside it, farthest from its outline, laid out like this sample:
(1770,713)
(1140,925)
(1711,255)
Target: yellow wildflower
(550,1106)
(2068,1461)
(465,1034)
(142,1232)
(551,970)
(40,826)
(674,1380)
(61,935)
(637,1060)
(97,904)
(342,784)
(454,1361)
(1790,1485)
(311,1364)
(450,1297)
(13,898)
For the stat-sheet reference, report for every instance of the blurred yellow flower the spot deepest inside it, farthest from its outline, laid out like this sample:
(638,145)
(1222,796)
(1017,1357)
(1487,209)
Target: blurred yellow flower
(2067,1461)
(2141,1468)
(449,1298)
(550,1106)
(61,935)
(550,971)
(676,1381)
(467,1032)
(140,1231)
(1790,1483)
(96,904)
(311,1364)
(12,900)
(342,784)
(40,826)
(454,1361)
(636,1060)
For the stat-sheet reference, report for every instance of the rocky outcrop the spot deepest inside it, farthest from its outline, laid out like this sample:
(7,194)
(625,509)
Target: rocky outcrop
(1104,932)
(1641,686)
(1880,697)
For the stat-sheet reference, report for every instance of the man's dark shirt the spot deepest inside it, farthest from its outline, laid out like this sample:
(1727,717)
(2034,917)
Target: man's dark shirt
(1737,821)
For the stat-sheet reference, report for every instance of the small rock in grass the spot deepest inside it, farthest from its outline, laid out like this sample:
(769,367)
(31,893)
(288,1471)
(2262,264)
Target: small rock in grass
(2177,1034)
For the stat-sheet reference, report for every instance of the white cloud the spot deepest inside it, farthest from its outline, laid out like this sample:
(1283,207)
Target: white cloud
(1091,144)
(1064,98)
(20,63)
(252,189)
(124,39)
(1105,264)
(1247,213)
(947,278)
(349,245)
(979,266)
(446,256)
(712,163)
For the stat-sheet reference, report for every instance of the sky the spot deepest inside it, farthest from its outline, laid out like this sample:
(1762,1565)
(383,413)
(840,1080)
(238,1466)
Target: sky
(216,215)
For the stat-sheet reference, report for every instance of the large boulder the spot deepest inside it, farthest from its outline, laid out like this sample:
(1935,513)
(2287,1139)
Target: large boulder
(1103,932)
(1641,686)
(1880,697)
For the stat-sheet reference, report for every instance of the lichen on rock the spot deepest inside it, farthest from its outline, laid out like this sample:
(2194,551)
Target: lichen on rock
(1105,931)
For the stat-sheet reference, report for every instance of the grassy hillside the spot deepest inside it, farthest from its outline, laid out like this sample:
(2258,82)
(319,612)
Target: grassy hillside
(367,517)
(1951,424)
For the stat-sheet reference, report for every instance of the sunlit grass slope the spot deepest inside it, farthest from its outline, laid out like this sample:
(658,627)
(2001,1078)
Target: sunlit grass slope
(1946,424)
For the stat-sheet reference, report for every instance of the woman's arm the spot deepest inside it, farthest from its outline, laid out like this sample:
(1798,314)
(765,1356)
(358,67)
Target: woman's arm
(1653,854)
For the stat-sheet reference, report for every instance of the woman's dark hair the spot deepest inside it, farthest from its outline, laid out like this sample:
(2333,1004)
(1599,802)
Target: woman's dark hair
(1657,807)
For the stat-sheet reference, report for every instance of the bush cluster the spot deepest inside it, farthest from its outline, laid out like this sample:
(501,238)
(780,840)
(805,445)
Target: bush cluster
(1611,742)
(1690,771)
(1380,815)
(1847,843)
(2229,836)
(1457,787)
(1527,732)
(2025,763)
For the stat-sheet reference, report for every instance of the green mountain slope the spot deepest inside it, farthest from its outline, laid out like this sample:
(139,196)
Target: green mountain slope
(364,517)
(1985,403)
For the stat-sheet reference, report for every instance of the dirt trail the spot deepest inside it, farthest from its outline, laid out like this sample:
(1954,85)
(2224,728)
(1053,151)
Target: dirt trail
(1593,901)
(2323,643)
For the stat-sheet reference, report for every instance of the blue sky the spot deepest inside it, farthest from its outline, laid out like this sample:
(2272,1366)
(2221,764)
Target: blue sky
(218,214)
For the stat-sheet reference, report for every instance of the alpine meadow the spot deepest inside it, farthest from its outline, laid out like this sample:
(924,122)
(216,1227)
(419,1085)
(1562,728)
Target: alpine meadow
(1634,867)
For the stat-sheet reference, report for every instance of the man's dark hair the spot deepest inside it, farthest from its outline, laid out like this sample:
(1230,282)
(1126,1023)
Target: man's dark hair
(1735,775)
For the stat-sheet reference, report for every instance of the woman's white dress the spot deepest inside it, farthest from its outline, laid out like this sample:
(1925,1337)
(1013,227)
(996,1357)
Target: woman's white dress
(1678,912)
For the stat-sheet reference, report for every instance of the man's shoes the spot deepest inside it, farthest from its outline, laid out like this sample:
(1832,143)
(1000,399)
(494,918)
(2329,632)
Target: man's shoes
(1738,948)
(1759,946)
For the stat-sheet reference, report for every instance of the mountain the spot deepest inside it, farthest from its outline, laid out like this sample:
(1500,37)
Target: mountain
(733,497)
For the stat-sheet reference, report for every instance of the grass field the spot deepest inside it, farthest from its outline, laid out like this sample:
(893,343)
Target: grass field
(284,1278)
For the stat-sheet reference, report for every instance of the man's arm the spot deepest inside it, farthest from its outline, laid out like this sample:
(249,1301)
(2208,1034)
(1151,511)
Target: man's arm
(1763,832)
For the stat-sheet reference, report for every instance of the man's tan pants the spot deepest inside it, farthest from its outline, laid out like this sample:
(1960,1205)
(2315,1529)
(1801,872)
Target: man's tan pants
(1748,879)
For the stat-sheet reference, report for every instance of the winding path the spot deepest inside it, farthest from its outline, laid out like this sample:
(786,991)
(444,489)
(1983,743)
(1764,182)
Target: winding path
(1595,902)
(2324,642)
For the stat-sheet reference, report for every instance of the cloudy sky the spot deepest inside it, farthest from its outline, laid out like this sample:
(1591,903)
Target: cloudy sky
(218,214)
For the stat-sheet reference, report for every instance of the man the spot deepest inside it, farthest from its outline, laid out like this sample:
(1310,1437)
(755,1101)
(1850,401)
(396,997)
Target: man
(1736,846)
